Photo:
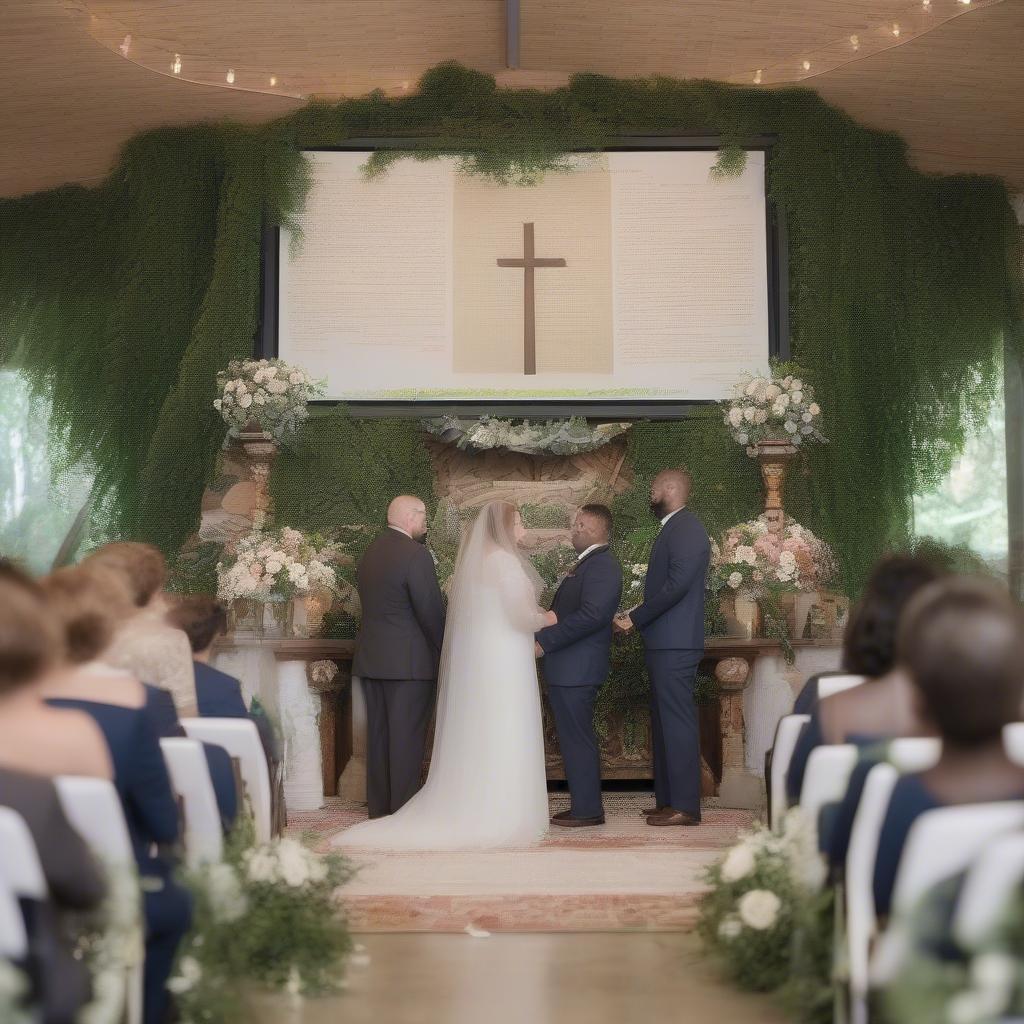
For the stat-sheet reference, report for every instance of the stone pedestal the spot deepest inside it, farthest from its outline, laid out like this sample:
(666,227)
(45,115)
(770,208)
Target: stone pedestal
(774,457)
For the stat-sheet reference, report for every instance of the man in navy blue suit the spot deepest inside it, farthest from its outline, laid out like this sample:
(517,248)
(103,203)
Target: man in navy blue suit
(575,653)
(671,621)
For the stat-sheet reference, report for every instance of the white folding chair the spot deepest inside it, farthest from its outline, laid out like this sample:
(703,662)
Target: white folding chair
(940,844)
(831,685)
(241,739)
(861,920)
(93,808)
(826,778)
(1013,741)
(991,882)
(190,777)
(911,754)
(19,860)
(13,938)
(787,732)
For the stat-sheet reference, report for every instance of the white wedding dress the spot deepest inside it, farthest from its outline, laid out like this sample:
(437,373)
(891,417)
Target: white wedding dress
(487,783)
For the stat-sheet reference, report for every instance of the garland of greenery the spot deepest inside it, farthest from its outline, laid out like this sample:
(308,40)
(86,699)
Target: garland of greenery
(552,437)
(123,301)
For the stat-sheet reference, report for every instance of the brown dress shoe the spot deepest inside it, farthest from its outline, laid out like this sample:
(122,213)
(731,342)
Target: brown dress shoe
(670,816)
(566,820)
(656,809)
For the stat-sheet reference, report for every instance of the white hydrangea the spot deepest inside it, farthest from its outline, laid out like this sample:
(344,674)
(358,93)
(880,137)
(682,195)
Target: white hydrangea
(814,408)
(729,928)
(225,893)
(745,553)
(759,909)
(739,862)
(190,973)
(735,579)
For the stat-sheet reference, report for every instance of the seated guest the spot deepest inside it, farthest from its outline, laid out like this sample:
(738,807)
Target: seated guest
(74,882)
(962,646)
(219,695)
(140,774)
(89,601)
(146,644)
(883,706)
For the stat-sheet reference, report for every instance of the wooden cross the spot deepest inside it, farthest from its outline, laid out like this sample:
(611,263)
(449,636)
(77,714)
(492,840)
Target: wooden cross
(527,264)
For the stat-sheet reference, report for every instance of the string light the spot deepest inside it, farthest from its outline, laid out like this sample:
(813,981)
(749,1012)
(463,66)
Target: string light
(176,66)
(273,80)
(927,5)
(126,45)
(757,77)
(855,42)
(807,65)
(966,3)
(896,31)
(231,76)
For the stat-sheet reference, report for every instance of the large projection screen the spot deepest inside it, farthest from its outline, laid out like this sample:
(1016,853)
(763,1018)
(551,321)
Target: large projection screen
(630,276)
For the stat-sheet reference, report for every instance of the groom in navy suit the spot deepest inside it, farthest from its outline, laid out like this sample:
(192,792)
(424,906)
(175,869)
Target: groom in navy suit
(671,621)
(575,653)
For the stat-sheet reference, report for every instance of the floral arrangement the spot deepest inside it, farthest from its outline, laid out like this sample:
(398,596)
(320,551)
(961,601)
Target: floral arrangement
(268,564)
(753,557)
(268,392)
(748,918)
(553,437)
(14,990)
(633,584)
(267,915)
(771,407)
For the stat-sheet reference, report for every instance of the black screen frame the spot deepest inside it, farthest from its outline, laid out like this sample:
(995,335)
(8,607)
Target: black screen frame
(267,335)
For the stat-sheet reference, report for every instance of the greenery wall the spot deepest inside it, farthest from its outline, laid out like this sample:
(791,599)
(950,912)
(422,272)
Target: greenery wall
(122,301)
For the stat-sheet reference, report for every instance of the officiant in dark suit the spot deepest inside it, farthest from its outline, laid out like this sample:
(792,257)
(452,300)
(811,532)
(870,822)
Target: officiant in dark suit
(397,653)
(576,655)
(671,622)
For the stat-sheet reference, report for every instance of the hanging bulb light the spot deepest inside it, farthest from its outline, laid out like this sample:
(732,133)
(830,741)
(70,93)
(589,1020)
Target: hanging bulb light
(273,80)
(230,76)
(176,66)
(757,77)
(807,65)
(927,5)
(126,45)
(855,42)
(896,31)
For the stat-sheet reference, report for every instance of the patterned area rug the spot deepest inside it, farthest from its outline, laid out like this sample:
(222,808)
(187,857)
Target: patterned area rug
(622,875)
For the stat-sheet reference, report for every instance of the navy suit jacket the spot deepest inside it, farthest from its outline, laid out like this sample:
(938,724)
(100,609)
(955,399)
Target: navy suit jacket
(576,649)
(671,617)
(218,695)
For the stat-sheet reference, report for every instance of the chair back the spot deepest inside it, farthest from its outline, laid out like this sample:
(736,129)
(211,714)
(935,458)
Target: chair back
(992,881)
(826,778)
(912,754)
(13,938)
(190,777)
(787,732)
(19,860)
(241,739)
(1013,741)
(861,920)
(831,685)
(94,809)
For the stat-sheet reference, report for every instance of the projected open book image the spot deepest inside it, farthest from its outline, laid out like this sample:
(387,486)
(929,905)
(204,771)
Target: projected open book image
(629,275)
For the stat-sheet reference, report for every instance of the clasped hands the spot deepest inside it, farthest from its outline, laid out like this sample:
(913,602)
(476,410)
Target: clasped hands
(550,619)
(622,622)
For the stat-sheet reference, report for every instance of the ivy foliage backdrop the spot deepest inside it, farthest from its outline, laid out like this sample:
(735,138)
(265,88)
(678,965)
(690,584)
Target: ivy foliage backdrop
(123,301)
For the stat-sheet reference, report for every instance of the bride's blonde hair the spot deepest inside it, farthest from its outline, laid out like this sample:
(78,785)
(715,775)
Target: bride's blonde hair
(501,522)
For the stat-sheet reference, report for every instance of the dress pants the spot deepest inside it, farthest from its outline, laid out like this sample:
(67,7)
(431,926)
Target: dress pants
(675,731)
(168,911)
(397,716)
(573,708)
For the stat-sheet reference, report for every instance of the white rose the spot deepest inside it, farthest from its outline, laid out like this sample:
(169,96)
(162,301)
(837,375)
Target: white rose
(260,398)
(738,863)
(295,377)
(229,385)
(994,971)
(798,396)
(241,386)
(752,387)
(790,427)
(273,567)
(762,416)
(277,387)
(735,579)
(217,403)
(772,392)
(814,408)
(261,865)
(778,409)
(270,372)
(759,909)
(729,928)
(245,401)
(742,438)
(745,553)
(807,417)
(749,413)
(189,973)
(735,416)
(787,558)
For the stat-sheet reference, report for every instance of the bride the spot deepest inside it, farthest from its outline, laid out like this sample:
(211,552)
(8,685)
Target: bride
(487,785)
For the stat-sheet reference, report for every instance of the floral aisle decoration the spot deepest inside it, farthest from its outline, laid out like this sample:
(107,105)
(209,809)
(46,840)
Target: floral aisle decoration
(553,437)
(276,564)
(14,991)
(267,917)
(748,918)
(267,392)
(777,406)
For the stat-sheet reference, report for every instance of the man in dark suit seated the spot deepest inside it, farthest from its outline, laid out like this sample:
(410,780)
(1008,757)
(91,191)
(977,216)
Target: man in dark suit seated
(576,655)
(671,620)
(218,695)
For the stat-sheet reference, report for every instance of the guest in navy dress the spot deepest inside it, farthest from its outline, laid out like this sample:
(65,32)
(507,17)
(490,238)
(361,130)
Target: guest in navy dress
(86,603)
(962,644)
(882,707)
(219,695)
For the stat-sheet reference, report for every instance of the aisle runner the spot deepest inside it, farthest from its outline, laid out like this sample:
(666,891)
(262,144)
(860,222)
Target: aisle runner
(623,875)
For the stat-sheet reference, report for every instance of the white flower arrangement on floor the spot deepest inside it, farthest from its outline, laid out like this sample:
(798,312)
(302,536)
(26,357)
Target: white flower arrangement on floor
(14,990)
(267,916)
(752,557)
(755,900)
(268,392)
(268,565)
(553,437)
(770,407)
